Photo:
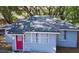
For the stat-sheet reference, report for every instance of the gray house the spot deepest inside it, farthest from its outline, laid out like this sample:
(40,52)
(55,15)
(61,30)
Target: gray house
(68,35)
(42,34)
(34,35)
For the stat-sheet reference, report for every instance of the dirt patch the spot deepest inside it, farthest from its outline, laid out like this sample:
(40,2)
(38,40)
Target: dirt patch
(67,50)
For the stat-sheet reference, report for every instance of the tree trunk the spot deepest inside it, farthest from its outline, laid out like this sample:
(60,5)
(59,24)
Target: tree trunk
(7,19)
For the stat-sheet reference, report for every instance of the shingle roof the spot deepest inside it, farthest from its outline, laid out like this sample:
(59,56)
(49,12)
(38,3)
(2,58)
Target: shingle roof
(40,24)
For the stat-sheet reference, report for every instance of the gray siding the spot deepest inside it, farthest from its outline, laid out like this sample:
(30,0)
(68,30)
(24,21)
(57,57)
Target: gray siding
(70,41)
(44,44)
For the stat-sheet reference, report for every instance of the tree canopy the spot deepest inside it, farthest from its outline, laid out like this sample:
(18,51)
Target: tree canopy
(69,13)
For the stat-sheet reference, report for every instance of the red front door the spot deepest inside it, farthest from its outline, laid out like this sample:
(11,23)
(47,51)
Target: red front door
(19,42)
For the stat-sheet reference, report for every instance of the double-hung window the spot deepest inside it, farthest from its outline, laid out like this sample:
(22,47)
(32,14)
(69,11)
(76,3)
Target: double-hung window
(61,36)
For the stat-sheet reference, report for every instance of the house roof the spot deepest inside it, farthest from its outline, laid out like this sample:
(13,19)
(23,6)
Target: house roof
(51,22)
(34,24)
(40,24)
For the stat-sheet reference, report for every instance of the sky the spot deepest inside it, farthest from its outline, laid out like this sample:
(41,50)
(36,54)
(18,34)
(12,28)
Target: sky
(39,3)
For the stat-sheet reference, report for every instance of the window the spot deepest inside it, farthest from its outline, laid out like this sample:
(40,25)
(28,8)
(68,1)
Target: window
(36,37)
(40,38)
(44,38)
(47,38)
(65,35)
(28,38)
(61,36)
(57,36)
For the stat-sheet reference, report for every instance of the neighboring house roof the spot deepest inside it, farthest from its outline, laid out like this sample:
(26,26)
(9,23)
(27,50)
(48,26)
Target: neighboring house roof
(6,26)
(40,24)
(65,26)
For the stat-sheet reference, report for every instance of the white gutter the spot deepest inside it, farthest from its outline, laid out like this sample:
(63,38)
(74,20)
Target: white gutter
(68,30)
(36,32)
(45,32)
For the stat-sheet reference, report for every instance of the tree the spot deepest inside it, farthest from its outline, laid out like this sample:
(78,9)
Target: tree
(69,13)
(6,12)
